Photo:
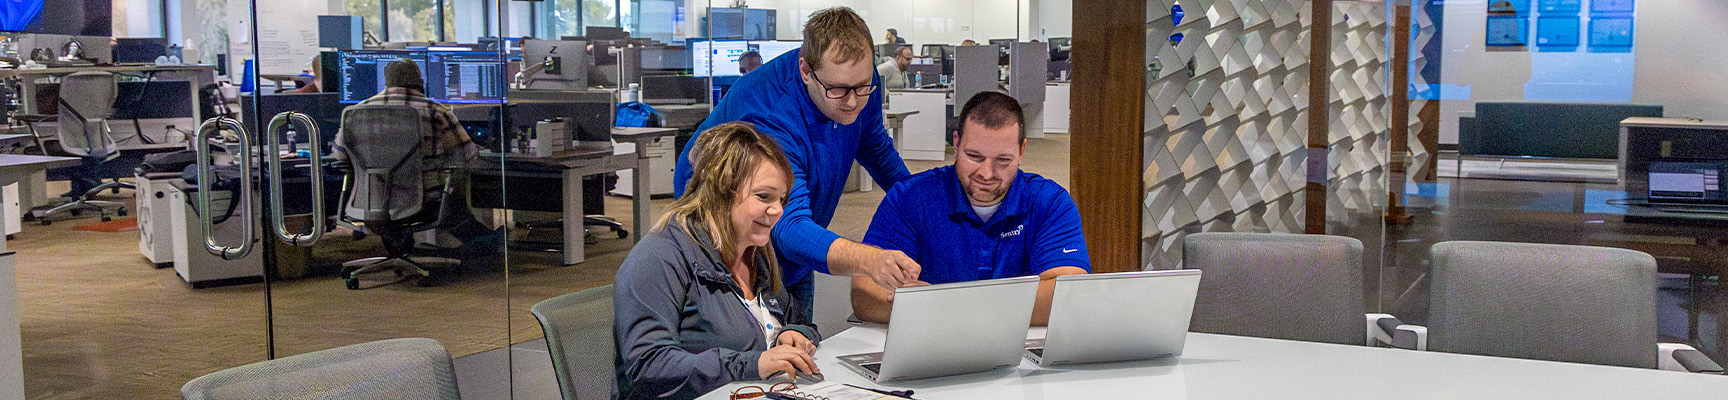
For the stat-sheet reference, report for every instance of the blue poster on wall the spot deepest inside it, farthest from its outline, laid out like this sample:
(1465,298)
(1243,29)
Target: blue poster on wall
(1611,6)
(1557,6)
(1557,31)
(1613,32)
(1504,30)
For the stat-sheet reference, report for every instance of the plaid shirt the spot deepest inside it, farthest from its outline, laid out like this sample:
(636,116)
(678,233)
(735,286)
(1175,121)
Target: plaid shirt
(446,145)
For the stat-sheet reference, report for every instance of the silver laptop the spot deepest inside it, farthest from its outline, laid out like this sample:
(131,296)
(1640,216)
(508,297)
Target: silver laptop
(952,329)
(1117,317)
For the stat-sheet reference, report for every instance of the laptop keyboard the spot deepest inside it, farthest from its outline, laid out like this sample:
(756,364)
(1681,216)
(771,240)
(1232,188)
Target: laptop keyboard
(873,367)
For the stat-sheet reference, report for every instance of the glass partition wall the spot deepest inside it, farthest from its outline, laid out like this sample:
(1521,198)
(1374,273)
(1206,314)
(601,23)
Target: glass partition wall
(1474,171)
(292,295)
(316,301)
(1230,125)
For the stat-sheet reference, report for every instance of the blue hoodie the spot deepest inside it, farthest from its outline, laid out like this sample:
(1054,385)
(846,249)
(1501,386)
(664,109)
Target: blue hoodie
(821,151)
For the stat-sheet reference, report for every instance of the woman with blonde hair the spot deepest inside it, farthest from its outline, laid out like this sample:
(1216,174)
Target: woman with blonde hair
(698,302)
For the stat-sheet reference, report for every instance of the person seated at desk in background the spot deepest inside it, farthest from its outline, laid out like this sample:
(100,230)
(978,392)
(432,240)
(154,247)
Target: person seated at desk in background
(894,37)
(968,42)
(444,147)
(749,61)
(699,302)
(981,218)
(317,83)
(893,71)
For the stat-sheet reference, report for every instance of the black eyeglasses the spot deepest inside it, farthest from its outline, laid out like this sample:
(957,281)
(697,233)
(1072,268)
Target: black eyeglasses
(753,391)
(836,93)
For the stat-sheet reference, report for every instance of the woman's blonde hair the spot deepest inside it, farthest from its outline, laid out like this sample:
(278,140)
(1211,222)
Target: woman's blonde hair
(722,160)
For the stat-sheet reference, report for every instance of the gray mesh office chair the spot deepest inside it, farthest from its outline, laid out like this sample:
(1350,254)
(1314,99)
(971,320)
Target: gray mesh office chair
(86,101)
(383,192)
(578,329)
(1277,285)
(1583,304)
(386,369)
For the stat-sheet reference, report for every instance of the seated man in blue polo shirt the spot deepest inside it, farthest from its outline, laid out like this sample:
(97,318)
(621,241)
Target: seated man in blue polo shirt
(981,218)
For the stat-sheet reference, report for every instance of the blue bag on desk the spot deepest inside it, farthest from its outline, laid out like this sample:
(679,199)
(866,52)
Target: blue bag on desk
(636,114)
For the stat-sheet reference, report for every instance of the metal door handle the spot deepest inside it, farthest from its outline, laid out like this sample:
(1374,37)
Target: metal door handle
(272,141)
(202,150)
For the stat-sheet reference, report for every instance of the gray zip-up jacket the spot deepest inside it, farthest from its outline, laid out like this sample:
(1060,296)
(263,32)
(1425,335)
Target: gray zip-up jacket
(681,328)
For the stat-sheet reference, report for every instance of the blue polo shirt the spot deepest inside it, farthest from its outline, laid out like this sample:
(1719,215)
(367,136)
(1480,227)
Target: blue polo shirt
(1036,228)
(821,152)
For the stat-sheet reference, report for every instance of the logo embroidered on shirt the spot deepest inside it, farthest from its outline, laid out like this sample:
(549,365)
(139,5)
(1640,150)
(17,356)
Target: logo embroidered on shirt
(1066,251)
(1015,232)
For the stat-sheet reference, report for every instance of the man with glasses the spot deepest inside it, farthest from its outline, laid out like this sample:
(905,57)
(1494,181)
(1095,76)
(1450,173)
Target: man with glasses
(823,106)
(893,71)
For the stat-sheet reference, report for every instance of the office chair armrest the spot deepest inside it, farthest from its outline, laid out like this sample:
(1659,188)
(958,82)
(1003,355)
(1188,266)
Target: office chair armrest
(1680,357)
(1387,330)
(444,194)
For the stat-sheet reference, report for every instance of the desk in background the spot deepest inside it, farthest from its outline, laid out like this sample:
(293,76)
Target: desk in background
(570,166)
(15,168)
(895,121)
(193,76)
(1236,367)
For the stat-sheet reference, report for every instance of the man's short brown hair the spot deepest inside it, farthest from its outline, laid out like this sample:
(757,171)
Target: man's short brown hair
(837,27)
(993,110)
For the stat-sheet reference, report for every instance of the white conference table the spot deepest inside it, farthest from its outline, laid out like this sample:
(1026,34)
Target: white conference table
(1236,367)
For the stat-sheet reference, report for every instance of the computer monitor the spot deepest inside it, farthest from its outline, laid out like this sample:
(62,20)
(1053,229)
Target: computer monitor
(141,100)
(674,89)
(1003,45)
(565,64)
(1688,182)
(772,49)
(668,59)
(741,23)
(1060,48)
(139,50)
(607,33)
(361,72)
(716,57)
(465,77)
(590,111)
(512,47)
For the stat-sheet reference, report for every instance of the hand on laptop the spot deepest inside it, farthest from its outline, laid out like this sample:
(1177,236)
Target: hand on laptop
(797,340)
(784,359)
(888,268)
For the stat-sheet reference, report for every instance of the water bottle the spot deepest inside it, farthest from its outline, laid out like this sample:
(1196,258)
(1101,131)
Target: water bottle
(918,80)
(292,135)
(632,94)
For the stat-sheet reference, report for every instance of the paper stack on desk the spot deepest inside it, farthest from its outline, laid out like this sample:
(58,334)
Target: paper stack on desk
(550,138)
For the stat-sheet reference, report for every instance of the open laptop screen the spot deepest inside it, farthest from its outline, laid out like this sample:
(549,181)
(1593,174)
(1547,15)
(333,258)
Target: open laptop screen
(1688,182)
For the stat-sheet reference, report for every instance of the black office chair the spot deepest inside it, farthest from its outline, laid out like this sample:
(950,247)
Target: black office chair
(382,194)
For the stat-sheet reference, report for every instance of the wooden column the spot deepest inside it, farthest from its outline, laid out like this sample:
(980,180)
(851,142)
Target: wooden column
(1400,126)
(1319,120)
(1105,154)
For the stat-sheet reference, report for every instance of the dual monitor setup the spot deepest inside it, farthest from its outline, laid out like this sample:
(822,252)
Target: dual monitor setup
(450,76)
(720,57)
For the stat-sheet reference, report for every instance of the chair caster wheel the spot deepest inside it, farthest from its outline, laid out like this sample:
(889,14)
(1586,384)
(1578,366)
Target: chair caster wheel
(623,233)
(120,212)
(353,284)
(47,222)
(106,218)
